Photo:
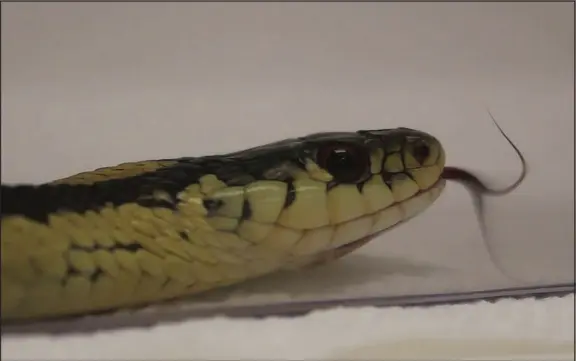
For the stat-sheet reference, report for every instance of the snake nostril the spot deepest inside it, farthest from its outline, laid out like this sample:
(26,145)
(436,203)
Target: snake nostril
(421,152)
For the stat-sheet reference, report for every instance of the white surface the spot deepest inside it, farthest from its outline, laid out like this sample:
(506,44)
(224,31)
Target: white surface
(92,84)
(506,330)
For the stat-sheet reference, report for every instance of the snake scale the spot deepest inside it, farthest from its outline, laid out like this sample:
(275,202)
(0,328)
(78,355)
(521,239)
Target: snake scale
(145,232)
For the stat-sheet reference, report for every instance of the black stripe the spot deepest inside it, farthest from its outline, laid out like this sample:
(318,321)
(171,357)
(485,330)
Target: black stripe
(212,205)
(290,195)
(246,210)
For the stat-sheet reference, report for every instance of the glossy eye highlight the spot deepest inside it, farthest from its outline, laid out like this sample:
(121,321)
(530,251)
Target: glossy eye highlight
(347,163)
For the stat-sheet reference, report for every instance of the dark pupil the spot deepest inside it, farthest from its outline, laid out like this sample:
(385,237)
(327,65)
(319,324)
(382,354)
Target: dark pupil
(344,165)
(421,152)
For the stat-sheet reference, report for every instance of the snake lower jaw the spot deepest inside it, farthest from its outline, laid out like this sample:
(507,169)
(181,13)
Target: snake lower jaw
(341,251)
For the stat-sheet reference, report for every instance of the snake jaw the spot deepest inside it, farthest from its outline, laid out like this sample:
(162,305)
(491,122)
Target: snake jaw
(333,254)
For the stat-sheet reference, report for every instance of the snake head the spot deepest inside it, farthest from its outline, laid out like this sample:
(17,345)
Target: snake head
(414,157)
(353,186)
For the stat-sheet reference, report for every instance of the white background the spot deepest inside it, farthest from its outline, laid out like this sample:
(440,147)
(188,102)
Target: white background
(86,85)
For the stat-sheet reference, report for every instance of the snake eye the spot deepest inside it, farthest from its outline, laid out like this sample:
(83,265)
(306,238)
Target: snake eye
(421,152)
(346,162)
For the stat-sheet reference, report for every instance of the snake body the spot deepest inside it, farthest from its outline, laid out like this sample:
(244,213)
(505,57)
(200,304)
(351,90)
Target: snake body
(145,232)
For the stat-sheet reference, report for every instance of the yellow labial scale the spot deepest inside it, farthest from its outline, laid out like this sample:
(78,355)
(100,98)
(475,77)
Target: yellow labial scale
(223,223)
(233,201)
(106,262)
(393,163)
(408,156)
(345,203)
(351,231)
(415,205)
(376,158)
(191,204)
(254,232)
(266,199)
(376,194)
(127,262)
(82,261)
(281,240)
(309,207)
(317,173)
(210,183)
(409,161)
(299,173)
(314,240)
(386,218)
(403,187)
(426,177)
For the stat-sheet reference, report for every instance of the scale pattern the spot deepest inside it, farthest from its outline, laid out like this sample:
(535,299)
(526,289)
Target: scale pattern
(140,233)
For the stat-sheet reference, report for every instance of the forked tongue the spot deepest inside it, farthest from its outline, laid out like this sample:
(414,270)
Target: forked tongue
(480,190)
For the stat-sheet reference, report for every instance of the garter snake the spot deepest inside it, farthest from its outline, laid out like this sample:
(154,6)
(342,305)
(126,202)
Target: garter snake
(145,232)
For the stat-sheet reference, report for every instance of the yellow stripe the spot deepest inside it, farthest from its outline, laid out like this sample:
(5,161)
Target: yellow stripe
(123,170)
